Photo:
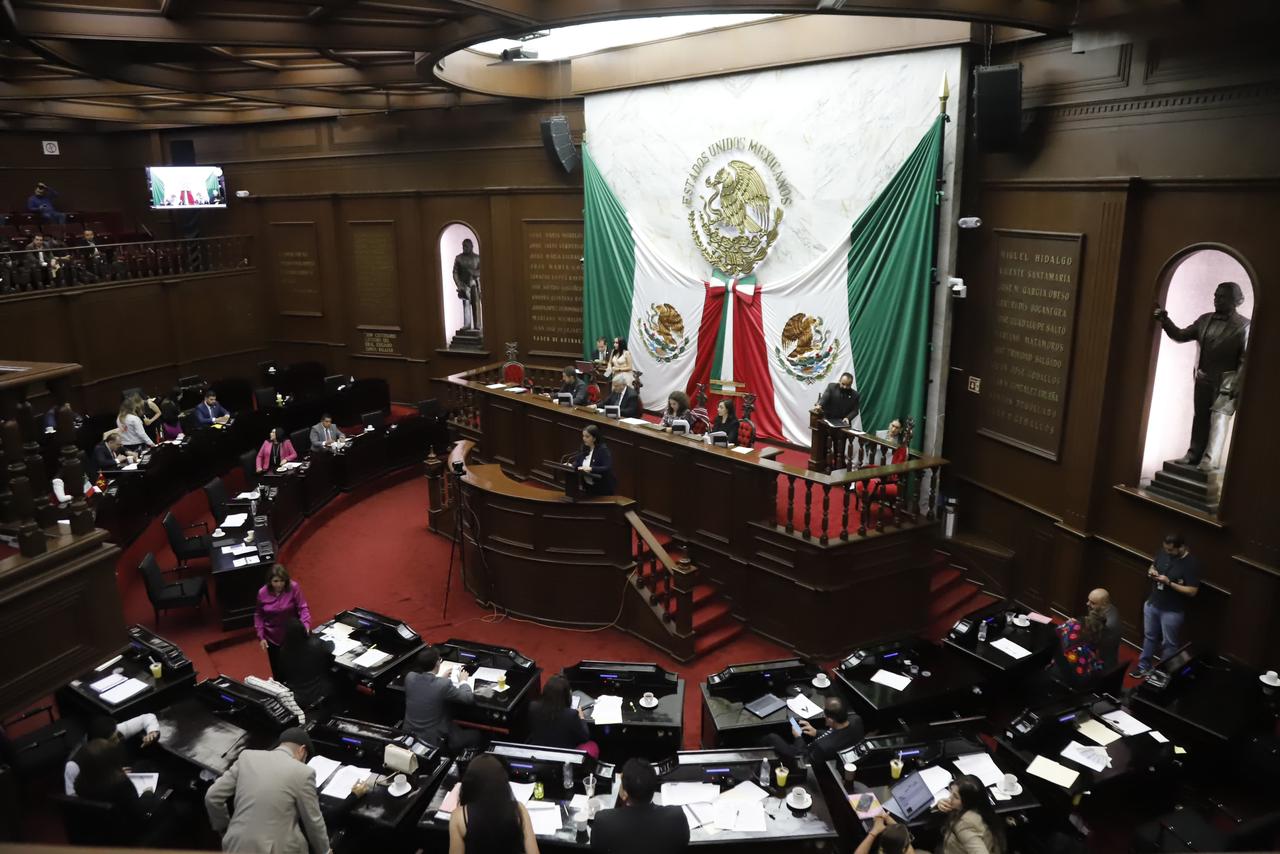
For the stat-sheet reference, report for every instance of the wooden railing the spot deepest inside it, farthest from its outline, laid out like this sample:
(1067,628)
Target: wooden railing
(835,448)
(666,584)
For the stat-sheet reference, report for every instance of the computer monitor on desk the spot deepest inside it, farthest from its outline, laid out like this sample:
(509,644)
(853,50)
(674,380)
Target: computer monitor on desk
(611,411)
(719,437)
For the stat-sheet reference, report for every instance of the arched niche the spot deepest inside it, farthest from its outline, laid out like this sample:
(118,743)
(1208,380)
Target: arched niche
(450,244)
(1187,285)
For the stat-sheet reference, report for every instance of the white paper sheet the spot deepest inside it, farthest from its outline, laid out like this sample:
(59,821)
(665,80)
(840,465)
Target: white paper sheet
(1097,731)
(635,421)
(496,385)
(371,658)
(895,681)
(522,791)
(1125,722)
(608,710)
(234,520)
(1054,772)
(107,682)
(579,802)
(1090,756)
(1010,648)
(998,795)
(1037,617)
(339,630)
(129,467)
(324,768)
(341,645)
(1158,736)
(700,815)
(123,691)
(246,561)
(289,466)
(487,674)
(340,784)
(980,765)
(242,549)
(743,449)
(517,389)
(803,706)
(249,496)
(747,790)
(545,816)
(679,794)
(144,782)
(746,816)
(938,779)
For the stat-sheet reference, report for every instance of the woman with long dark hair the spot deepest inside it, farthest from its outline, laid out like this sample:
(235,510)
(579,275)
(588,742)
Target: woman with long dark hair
(972,826)
(553,722)
(677,409)
(102,778)
(726,420)
(170,426)
(594,463)
(489,820)
(620,362)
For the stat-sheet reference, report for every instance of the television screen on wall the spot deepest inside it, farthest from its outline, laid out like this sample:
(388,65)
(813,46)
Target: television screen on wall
(183,187)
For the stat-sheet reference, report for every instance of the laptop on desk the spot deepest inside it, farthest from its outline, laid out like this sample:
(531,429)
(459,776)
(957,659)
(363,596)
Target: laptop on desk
(910,798)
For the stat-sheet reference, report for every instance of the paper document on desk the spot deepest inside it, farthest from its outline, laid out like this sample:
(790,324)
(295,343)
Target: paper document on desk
(1037,617)
(980,765)
(246,561)
(1090,756)
(1125,722)
(450,802)
(938,779)
(521,791)
(699,814)
(803,706)
(242,549)
(742,449)
(744,791)
(371,658)
(1010,648)
(740,815)
(1054,772)
(129,467)
(1158,736)
(496,385)
(338,630)
(487,674)
(679,794)
(249,496)
(892,680)
(123,691)
(1097,731)
(289,466)
(234,520)
(545,817)
(144,782)
(324,768)
(107,682)
(517,389)
(343,780)
(341,645)
(608,710)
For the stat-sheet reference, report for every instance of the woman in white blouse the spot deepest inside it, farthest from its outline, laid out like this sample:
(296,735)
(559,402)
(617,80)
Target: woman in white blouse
(133,432)
(620,362)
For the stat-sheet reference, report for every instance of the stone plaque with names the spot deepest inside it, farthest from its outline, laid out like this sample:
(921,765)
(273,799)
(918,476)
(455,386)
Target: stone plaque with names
(553,265)
(373,265)
(297,268)
(1024,392)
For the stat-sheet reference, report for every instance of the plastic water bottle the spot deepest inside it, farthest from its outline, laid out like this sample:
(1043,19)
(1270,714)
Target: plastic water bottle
(568,778)
(982,631)
(764,773)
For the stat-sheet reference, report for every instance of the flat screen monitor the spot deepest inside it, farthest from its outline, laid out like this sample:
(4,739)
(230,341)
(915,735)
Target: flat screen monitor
(185,187)
(680,426)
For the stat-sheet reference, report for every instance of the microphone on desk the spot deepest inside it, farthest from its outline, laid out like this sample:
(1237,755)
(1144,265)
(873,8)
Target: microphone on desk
(567,457)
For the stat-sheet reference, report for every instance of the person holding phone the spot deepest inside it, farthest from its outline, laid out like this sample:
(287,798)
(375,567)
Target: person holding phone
(1175,578)
(843,730)
(886,836)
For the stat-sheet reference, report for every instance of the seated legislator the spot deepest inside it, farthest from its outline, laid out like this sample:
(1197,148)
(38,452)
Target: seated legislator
(106,455)
(572,384)
(103,778)
(595,463)
(489,820)
(635,825)
(102,727)
(677,410)
(840,402)
(726,420)
(843,731)
(553,722)
(426,698)
(624,397)
(601,356)
(209,411)
(620,362)
(275,450)
(886,836)
(325,435)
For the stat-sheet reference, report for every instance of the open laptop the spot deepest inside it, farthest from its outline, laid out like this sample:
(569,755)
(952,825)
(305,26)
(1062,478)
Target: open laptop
(764,706)
(910,798)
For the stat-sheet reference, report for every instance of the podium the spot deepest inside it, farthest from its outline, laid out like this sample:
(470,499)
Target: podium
(572,478)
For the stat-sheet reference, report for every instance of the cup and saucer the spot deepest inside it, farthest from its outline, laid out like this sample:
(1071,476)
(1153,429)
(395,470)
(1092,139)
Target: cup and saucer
(821,681)
(1021,621)
(1270,678)
(648,701)
(799,800)
(1009,786)
(399,786)
(218,532)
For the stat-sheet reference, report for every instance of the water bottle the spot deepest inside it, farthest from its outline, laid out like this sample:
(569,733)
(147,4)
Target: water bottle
(982,631)
(764,774)
(568,778)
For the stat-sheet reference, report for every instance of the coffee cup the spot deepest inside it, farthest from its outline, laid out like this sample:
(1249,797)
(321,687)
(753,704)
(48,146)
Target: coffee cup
(1271,678)
(648,699)
(895,768)
(780,775)
(1009,784)
(156,669)
(850,772)
(248,538)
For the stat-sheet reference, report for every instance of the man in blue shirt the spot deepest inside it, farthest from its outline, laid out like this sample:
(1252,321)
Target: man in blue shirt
(211,412)
(1175,578)
(41,202)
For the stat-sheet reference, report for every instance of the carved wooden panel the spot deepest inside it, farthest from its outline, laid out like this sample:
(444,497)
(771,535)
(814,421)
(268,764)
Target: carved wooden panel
(375,272)
(553,259)
(296,264)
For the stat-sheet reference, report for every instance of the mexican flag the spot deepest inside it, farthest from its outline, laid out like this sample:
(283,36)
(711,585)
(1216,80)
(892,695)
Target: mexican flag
(861,308)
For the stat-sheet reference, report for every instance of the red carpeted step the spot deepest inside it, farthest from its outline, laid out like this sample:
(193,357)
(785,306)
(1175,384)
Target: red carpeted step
(943,580)
(716,638)
(952,598)
(702,593)
(710,615)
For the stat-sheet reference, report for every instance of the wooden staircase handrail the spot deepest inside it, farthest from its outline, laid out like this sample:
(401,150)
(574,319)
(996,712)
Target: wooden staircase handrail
(642,530)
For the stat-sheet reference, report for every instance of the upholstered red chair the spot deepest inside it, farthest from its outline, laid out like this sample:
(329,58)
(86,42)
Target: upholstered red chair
(593,393)
(746,434)
(512,370)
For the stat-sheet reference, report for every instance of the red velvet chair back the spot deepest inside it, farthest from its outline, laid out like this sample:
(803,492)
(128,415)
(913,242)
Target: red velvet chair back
(593,393)
(746,434)
(513,372)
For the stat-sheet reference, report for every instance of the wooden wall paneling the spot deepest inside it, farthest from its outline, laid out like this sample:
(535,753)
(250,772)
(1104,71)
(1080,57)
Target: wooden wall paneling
(294,268)
(126,331)
(502,278)
(1052,73)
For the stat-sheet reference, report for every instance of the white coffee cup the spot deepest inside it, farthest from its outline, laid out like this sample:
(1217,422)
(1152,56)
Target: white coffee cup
(1009,783)
(648,698)
(1270,677)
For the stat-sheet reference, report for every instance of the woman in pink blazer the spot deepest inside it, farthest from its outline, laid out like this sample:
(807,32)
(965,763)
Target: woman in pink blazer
(274,451)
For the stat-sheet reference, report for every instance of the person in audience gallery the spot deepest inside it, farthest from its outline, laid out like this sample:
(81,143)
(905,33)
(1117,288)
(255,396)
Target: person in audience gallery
(106,455)
(209,411)
(635,825)
(843,731)
(624,397)
(277,804)
(170,428)
(280,599)
(594,463)
(325,435)
(571,384)
(1099,602)
(677,410)
(304,661)
(275,450)
(602,351)
(620,362)
(553,722)
(104,728)
(133,431)
(41,202)
(886,836)
(840,402)
(427,694)
(971,825)
(489,819)
(726,420)
(1175,578)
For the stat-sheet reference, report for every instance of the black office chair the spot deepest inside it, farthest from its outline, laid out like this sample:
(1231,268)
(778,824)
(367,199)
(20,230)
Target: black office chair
(301,440)
(216,493)
(187,593)
(1187,829)
(41,751)
(90,822)
(249,465)
(264,399)
(376,419)
(186,548)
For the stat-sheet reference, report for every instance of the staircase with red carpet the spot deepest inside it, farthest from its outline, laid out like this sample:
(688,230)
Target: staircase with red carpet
(952,594)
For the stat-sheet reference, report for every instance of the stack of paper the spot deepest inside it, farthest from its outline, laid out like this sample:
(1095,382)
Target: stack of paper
(107,682)
(289,466)
(370,658)
(608,710)
(324,768)
(699,815)
(123,691)
(1010,648)
(895,681)
(517,389)
(144,782)
(342,781)
(980,765)
(1125,722)
(938,779)
(1047,769)
(740,815)
(1090,756)
(341,644)
(679,794)
(1097,731)
(496,385)
(234,520)
(743,449)
(803,706)
(545,816)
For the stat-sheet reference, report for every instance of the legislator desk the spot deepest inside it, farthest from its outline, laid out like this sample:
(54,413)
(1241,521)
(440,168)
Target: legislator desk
(777,539)
(363,744)
(525,766)
(378,647)
(316,474)
(128,673)
(237,577)
(1038,639)
(648,733)
(222,717)
(726,720)
(358,459)
(282,494)
(500,712)
(944,683)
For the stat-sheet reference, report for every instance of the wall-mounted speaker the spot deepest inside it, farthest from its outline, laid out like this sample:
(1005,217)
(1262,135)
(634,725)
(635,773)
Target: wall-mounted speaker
(559,142)
(997,106)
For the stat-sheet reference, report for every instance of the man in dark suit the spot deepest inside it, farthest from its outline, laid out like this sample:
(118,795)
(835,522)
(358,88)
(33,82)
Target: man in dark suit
(210,411)
(105,455)
(840,401)
(427,694)
(624,397)
(636,826)
(325,435)
(843,731)
(574,385)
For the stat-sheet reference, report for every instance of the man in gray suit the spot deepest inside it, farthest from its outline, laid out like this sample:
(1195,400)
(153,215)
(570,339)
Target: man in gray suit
(324,434)
(426,699)
(277,805)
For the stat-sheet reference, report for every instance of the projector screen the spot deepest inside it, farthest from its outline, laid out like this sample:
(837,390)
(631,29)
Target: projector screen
(178,187)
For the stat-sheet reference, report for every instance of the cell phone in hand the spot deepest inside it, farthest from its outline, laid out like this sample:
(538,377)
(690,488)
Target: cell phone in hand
(795,727)
(864,802)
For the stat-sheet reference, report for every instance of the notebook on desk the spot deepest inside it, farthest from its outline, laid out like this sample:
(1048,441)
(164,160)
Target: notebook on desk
(764,706)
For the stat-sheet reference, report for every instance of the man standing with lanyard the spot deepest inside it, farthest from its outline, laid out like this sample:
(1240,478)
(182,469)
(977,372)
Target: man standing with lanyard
(1175,578)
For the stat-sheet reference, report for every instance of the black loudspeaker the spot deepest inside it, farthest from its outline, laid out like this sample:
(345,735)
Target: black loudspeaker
(559,143)
(182,152)
(997,106)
